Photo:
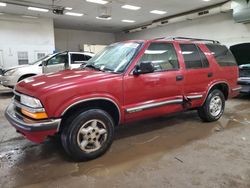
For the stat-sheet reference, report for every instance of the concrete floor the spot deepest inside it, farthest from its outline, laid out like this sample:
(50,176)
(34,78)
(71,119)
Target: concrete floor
(174,151)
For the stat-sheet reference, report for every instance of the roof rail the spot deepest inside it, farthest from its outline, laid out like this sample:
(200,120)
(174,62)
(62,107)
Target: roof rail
(190,39)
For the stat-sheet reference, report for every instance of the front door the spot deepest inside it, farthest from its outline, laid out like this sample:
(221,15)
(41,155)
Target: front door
(56,63)
(157,93)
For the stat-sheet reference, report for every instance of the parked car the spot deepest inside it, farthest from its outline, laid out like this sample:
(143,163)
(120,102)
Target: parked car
(244,80)
(127,81)
(48,64)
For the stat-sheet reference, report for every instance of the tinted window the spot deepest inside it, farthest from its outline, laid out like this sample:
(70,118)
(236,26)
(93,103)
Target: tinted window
(162,55)
(58,59)
(203,58)
(191,56)
(222,55)
(77,58)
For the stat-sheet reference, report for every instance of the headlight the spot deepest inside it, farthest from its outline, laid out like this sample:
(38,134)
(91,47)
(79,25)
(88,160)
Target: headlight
(9,72)
(30,101)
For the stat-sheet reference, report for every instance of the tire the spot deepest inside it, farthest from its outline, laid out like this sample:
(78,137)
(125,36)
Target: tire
(213,108)
(88,135)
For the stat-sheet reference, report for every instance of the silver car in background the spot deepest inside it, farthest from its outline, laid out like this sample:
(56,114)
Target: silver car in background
(48,64)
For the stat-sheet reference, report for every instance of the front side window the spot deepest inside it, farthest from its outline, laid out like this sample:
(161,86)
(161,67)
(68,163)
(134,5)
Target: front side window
(58,59)
(114,58)
(162,55)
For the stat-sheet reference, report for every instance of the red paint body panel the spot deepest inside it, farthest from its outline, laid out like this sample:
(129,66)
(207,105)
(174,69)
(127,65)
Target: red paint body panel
(59,91)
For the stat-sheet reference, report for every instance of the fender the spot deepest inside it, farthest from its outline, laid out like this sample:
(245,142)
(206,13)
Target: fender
(211,86)
(87,99)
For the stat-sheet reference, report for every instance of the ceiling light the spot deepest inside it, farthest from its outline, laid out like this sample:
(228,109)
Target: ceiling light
(131,7)
(31,17)
(74,14)
(128,21)
(158,12)
(206,0)
(103,2)
(38,9)
(3,4)
(1,13)
(101,18)
(68,8)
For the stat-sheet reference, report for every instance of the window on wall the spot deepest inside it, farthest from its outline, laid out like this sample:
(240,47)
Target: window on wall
(162,55)
(22,58)
(40,55)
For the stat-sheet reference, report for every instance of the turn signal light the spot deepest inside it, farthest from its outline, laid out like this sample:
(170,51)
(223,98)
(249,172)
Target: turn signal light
(38,115)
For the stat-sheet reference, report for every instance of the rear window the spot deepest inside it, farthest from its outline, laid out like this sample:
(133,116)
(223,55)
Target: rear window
(222,55)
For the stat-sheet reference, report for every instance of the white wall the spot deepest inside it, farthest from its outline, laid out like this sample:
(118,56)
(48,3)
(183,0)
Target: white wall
(23,34)
(219,27)
(72,39)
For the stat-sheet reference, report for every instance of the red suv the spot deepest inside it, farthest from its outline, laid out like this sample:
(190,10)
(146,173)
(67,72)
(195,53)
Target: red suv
(127,81)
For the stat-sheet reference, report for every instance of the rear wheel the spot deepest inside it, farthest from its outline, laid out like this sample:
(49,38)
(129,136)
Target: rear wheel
(89,135)
(213,107)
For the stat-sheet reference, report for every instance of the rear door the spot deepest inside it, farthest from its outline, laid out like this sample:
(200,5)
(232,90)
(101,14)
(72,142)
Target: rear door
(157,93)
(56,63)
(198,74)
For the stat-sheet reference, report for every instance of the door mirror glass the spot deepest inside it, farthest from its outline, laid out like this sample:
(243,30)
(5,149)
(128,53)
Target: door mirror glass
(144,68)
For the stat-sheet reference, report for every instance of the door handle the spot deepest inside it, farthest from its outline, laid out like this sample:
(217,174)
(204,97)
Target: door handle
(210,74)
(179,78)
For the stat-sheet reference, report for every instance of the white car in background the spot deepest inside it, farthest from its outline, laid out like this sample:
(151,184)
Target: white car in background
(48,64)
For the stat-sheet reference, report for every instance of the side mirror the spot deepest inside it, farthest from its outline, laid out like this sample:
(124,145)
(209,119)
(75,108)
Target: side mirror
(44,63)
(144,68)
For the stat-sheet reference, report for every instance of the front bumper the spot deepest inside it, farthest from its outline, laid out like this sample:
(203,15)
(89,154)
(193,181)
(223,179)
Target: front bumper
(245,85)
(34,130)
(8,81)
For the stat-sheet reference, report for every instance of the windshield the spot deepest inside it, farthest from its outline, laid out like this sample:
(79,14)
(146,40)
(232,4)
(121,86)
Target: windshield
(114,58)
(39,60)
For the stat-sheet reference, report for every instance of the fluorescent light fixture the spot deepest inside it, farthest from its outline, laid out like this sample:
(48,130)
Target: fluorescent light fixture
(3,4)
(158,12)
(74,14)
(68,8)
(31,17)
(131,7)
(102,2)
(38,9)
(128,21)
(100,18)
(1,13)
(206,0)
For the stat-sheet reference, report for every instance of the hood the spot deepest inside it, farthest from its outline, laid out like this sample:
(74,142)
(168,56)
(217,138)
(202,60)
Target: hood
(37,85)
(16,67)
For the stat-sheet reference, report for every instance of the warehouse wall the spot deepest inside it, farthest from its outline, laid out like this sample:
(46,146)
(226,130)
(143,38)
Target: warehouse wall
(219,27)
(24,35)
(72,39)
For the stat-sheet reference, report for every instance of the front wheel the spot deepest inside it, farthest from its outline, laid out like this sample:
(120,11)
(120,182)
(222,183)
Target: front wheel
(214,106)
(89,135)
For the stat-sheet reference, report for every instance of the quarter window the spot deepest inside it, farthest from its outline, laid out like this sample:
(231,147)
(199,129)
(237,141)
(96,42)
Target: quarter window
(223,56)
(162,55)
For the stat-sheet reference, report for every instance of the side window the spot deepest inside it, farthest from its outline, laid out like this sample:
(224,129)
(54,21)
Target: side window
(222,55)
(77,58)
(162,55)
(58,59)
(191,56)
(87,57)
(203,58)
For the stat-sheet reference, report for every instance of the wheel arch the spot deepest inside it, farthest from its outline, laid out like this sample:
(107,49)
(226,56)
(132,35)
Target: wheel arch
(25,76)
(222,86)
(106,104)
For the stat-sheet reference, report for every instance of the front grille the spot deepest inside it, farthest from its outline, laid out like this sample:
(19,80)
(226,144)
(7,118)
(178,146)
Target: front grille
(244,72)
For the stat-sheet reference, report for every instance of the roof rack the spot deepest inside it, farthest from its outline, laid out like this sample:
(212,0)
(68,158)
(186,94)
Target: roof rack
(190,39)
